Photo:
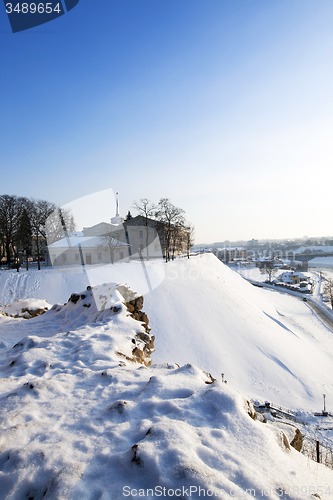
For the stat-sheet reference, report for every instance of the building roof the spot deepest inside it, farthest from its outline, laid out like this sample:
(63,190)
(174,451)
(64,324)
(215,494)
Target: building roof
(83,241)
(140,220)
(98,229)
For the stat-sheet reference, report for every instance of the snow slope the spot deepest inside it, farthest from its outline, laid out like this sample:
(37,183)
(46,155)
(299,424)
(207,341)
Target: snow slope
(79,422)
(205,314)
(221,323)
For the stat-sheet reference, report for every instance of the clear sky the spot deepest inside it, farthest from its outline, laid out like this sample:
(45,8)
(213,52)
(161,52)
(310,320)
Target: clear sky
(223,106)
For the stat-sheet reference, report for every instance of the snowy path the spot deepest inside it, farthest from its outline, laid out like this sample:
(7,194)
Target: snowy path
(16,287)
(320,314)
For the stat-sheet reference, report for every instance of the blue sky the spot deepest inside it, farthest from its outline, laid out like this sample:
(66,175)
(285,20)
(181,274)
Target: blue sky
(223,106)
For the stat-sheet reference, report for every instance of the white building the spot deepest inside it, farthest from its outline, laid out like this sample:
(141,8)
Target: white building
(87,250)
(109,242)
(103,243)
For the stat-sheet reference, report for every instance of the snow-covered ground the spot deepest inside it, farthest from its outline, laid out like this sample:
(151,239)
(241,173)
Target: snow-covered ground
(203,313)
(251,273)
(79,421)
(56,284)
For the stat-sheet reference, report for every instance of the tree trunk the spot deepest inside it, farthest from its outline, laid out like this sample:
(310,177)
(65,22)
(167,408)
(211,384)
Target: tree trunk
(147,242)
(38,256)
(8,253)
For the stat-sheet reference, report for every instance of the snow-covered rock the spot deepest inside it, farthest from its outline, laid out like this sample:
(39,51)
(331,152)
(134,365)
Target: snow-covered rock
(26,308)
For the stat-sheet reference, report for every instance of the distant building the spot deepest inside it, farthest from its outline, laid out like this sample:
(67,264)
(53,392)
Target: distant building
(143,238)
(262,262)
(230,254)
(292,278)
(149,234)
(252,244)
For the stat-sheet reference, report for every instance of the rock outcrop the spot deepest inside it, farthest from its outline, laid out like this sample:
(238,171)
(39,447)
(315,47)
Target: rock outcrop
(134,307)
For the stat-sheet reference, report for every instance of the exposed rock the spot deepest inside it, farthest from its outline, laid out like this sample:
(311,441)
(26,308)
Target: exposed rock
(33,313)
(285,441)
(134,307)
(261,418)
(297,442)
(74,298)
(135,457)
(251,410)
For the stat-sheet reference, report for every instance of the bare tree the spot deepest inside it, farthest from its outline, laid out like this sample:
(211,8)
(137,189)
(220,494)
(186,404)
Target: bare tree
(2,245)
(189,238)
(59,224)
(173,221)
(10,211)
(110,242)
(40,210)
(23,237)
(269,269)
(147,210)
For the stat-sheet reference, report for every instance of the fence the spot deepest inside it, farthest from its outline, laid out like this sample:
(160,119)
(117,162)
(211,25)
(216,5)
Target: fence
(312,448)
(317,451)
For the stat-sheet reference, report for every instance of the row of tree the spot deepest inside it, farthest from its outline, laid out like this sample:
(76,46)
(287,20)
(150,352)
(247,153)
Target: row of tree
(170,221)
(24,224)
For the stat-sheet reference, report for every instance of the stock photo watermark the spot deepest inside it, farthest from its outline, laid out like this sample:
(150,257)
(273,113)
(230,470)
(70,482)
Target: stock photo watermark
(88,236)
(25,15)
(197,491)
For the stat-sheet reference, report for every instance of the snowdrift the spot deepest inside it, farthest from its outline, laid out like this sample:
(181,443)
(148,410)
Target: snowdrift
(80,421)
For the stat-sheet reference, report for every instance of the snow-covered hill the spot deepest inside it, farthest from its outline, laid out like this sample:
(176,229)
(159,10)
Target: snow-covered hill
(203,313)
(79,420)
